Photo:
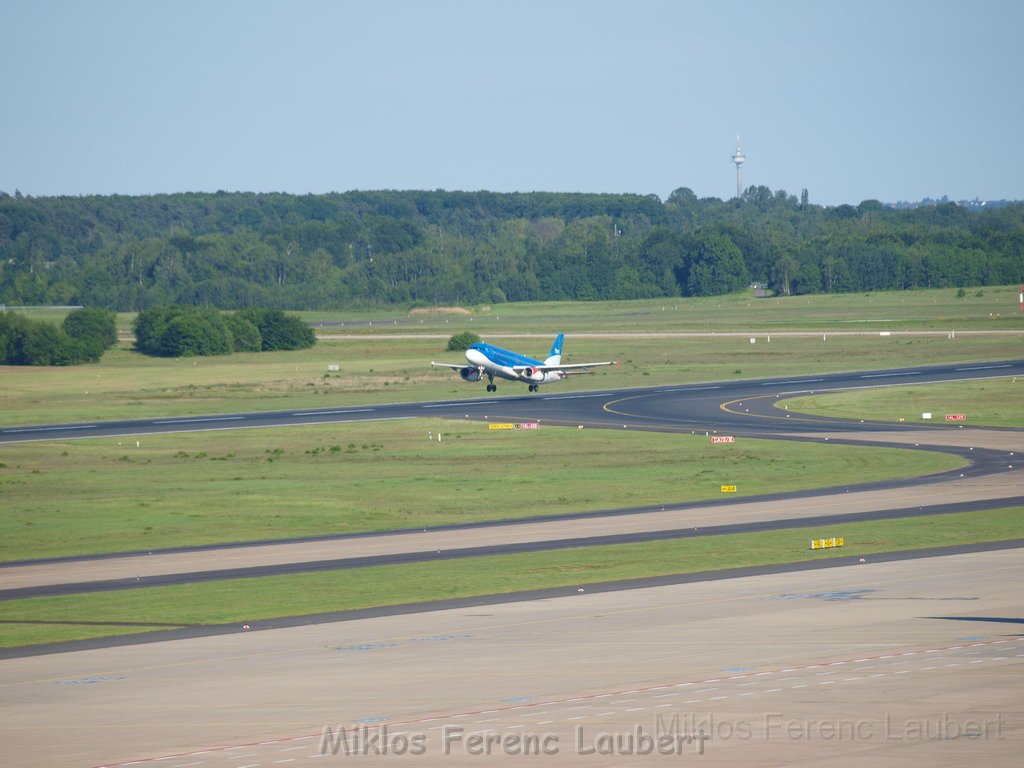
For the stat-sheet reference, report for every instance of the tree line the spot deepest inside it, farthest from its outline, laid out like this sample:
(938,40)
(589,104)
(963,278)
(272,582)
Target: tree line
(83,337)
(236,250)
(183,331)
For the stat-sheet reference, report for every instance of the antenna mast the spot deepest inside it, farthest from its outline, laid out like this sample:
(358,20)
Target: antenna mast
(739,158)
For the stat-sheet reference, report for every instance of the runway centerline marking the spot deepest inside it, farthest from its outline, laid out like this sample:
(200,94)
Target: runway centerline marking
(48,429)
(200,420)
(889,375)
(460,405)
(334,413)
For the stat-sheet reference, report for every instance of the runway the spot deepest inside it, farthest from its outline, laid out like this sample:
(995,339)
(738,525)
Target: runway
(912,662)
(989,481)
(684,408)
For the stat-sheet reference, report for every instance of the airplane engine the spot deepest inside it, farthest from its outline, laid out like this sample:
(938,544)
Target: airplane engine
(470,373)
(533,374)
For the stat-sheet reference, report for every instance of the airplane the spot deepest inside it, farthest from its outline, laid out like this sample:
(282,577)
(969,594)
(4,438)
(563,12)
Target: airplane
(490,361)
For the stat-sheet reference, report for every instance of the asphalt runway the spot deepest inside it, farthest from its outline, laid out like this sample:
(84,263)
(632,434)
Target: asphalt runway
(911,663)
(691,408)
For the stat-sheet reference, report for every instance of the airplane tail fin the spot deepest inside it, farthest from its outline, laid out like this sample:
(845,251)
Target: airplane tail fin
(555,355)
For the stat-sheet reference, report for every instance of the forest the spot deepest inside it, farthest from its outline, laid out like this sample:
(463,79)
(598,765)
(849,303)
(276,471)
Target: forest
(415,248)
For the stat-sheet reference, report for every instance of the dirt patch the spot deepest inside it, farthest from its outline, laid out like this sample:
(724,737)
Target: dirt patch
(439,311)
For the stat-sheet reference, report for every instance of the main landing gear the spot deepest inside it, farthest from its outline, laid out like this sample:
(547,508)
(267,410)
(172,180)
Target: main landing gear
(535,388)
(491,386)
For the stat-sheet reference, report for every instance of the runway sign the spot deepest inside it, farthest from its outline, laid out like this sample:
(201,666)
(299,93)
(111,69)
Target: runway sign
(956,417)
(827,543)
(723,439)
(728,489)
(526,425)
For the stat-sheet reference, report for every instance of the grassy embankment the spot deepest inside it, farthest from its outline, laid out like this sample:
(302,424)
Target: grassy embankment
(49,619)
(101,495)
(989,403)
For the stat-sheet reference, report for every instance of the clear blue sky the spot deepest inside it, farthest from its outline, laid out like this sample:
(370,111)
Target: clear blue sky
(885,99)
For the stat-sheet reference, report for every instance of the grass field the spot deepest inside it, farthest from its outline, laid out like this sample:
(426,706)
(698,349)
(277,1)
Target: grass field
(981,308)
(102,495)
(91,496)
(48,619)
(989,403)
(126,384)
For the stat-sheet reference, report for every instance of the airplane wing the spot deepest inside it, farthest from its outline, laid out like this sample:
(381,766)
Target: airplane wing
(453,366)
(577,365)
(567,369)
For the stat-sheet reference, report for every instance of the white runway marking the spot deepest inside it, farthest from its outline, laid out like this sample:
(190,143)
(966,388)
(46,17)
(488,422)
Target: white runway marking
(201,420)
(48,429)
(334,413)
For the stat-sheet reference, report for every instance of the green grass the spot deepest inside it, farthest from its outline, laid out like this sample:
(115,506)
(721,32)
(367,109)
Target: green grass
(982,308)
(13,634)
(103,495)
(126,384)
(989,403)
(253,600)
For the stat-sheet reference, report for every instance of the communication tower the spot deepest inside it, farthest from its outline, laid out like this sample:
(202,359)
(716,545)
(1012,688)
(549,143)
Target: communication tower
(739,158)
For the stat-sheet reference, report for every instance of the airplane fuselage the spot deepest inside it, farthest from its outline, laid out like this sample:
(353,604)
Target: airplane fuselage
(491,361)
(505,364)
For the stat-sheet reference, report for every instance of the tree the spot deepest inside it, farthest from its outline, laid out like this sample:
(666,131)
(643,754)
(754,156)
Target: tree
(182,332)
(714,265)
(195,334)
(94,328)
(245,336)
(36,342)
(279,331)
(460,342)
(783,271)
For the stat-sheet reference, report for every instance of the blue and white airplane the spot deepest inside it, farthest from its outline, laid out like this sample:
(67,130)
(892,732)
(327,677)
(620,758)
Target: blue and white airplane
(490,361)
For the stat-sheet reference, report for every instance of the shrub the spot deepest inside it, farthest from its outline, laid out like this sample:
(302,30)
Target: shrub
(182,332)
(278,330)
(460,342)
(92,326)
(245,336)
(36,342)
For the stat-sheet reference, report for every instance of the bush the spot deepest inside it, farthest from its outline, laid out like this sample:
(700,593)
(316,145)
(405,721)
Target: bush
(278,330)
(189,331)
(246,336)
(460,342)
(150,326)
(32,342)
(196,334)
(94,329)
(182,332)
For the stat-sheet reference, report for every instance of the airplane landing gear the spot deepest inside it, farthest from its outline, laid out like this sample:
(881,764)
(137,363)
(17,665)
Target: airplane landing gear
(492,387)
(534,388)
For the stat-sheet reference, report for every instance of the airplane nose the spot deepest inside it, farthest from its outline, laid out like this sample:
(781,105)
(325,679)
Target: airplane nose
(476,357)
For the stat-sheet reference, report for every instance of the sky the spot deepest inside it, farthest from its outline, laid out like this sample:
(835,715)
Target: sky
(874,99)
